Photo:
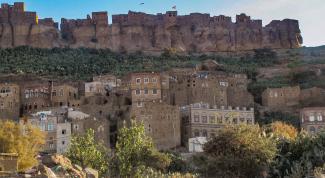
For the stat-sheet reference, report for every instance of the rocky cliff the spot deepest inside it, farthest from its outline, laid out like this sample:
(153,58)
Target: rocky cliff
(136,31)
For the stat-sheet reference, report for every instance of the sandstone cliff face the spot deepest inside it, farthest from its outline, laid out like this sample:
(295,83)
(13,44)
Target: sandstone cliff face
(198,33)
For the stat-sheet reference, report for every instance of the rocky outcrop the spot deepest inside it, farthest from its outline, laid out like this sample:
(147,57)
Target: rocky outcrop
(197,33)
(55,166)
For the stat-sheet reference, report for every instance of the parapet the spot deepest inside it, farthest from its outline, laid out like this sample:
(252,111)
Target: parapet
(242,18)
(215,107)
(48,22)
(221,19)
(16,14)
(100,18)
(19,7)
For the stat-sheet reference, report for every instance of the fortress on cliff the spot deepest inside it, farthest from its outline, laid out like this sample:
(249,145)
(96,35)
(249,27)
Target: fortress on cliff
(137,31)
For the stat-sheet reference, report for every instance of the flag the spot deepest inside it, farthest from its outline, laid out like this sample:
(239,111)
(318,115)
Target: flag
(174,7)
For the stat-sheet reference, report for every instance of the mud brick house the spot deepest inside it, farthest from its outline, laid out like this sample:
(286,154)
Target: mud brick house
(81,122)
(313,119)
(56,126)
(212,87)
(8,164)
(9,101)
(281,98)
(149,93)
(161,121)
(204,120)
(102,85)
(312,97)
(64,95)
(148,86)
(35,96)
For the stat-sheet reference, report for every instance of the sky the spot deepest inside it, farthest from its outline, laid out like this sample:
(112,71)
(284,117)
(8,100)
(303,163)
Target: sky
(308,12)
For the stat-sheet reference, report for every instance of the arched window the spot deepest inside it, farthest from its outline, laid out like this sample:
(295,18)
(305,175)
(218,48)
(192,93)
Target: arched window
(312,129)
(196,133)
(204,133)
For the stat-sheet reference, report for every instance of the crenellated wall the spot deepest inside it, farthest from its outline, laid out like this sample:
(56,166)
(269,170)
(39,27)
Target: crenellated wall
(137,31)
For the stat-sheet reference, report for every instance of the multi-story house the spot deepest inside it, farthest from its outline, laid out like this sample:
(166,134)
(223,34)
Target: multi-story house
(8,164)
(281,98)
(203,120)
(162,123)
(149,92)
(64,95)
(101,85)
(9,101)
(145,87)
(56,127)
(213,87)
(81,122)
(313,119)
(35,96)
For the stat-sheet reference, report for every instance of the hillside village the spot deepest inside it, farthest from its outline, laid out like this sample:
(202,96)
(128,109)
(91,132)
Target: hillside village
(174,105)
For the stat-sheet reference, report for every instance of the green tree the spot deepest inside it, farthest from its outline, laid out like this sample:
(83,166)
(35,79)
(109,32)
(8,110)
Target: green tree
(237,151)
(281,130)
(135,152)
(86,152)
(299,157)
(24,140)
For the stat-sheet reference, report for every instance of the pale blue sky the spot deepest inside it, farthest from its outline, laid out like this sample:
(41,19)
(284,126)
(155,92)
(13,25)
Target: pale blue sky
(308,12)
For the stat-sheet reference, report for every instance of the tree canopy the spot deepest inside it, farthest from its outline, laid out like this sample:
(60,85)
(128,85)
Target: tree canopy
(135,153)
(86,152)
(24,140)
(237,151)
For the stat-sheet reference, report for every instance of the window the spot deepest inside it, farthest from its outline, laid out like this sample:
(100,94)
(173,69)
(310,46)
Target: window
(54,93)
(312,129)
(234,120)
(204,133)
(51,145)
(319,117)
(224,84)
(27,94)
(204,119)
(2,105)
(149,128)
(63,142)
(137,92)
(138,80)
(139,104)
(242,119)
(154,80)
(312,118)
(196,118)
(249,121)
(219,120)
(76,126)
(146,80)
(50,126)
(196,133)
(61,92)
(154,91)
(212,119)
(146,91)
(64,132)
